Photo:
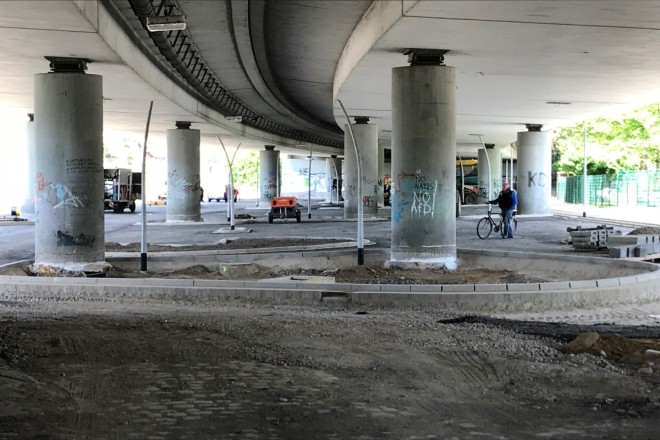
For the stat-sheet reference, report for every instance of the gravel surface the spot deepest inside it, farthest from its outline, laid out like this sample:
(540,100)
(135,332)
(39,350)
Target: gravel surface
(100,370)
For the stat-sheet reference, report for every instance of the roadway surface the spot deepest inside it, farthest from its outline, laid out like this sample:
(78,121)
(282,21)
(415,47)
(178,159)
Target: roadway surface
(534,234)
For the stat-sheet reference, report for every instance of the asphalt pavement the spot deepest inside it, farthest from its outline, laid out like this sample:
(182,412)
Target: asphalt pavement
(546,234)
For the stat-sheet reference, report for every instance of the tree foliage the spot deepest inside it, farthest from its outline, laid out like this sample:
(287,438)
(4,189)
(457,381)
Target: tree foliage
(631,142)
(122,156)
(246,170)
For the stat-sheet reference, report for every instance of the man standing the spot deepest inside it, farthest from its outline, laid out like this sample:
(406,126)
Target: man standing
(508,202)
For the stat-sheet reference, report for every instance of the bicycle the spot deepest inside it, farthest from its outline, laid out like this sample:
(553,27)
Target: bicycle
(487,224)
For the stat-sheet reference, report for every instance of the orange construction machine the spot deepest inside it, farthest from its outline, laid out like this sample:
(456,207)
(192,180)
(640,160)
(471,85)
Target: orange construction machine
(284,208)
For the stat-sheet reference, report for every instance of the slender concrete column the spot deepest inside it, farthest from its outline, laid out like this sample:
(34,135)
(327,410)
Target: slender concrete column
(69,223)
(534,170)
(269,181)
(183,184)
(495,160)
(423,164)
(331,168)
(28,208)
(366,136)
(381,172)
(340,177)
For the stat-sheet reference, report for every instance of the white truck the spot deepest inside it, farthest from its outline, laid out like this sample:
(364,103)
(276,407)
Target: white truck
(122,187)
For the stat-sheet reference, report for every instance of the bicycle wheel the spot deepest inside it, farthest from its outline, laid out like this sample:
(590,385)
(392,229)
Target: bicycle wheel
(484,228)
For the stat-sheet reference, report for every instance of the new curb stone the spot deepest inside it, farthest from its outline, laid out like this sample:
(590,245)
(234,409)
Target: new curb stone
(642,284)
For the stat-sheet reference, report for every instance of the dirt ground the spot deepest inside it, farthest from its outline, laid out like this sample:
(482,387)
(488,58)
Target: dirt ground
(78,370)
(122,371)
(367,274)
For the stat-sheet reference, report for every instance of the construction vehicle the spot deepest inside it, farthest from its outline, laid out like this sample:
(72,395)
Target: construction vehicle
(121,187)
(469,181)
(284,208)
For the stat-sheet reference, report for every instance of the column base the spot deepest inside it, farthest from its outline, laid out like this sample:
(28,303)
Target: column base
(184,219)
(354,217)
(422,260)
(77,269)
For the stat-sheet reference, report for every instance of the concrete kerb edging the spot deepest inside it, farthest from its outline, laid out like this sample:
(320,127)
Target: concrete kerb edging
(639,288)
(269,250)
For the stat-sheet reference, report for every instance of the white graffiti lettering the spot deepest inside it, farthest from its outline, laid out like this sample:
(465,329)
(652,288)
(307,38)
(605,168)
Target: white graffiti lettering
(424,201)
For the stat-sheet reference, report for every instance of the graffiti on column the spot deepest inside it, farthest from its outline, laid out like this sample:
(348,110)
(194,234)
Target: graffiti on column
(403,187)
(536,179)
(268,189)
(483,190)
(497,186)
(66,239)
(369,201)
(181,187)
(424,197)
(59,195)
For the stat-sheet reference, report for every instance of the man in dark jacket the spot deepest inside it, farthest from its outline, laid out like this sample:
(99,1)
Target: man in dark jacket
(508,202)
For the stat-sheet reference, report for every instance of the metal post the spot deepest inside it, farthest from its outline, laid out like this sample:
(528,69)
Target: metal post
(230,192)
(277,177)
(143,189)
(336,174)
(309,183)
(490,180)
(258,184)
(360,219)
(462,191)
(584,174)
(511,174)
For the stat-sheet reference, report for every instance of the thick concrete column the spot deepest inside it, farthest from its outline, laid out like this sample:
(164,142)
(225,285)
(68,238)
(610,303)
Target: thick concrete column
(381,173)
(494,157)
(424,162)
(366,136)
(534,170)
(332,167)
(69,223)
(183,184)
(28,207)
(269,181)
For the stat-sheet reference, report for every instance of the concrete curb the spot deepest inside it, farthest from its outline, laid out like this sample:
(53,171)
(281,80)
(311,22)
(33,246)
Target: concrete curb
(514,297)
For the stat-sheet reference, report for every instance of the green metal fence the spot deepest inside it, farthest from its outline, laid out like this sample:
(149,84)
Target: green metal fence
(626,188)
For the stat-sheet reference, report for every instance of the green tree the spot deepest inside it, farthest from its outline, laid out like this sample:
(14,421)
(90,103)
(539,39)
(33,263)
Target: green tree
(246,169)
(626,143)
(122,156)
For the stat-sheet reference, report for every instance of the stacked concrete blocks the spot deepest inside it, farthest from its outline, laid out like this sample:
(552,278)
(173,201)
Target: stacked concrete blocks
(634,246)
(592,238)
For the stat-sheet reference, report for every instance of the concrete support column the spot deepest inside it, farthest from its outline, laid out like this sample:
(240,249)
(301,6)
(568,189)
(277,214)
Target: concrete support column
(424,163)
(332,167)
(381,174)
(339,163)
(269,181)
(494,157)
(28,207)
(534,170)
(69,223)
(183,184)
(366,136)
